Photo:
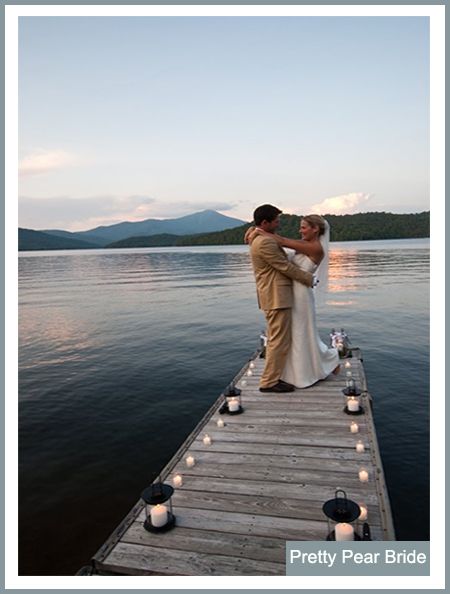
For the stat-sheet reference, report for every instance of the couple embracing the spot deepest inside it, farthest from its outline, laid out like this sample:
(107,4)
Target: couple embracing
(295,355)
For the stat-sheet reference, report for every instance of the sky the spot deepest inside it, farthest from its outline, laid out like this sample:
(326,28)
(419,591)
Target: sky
(130,118)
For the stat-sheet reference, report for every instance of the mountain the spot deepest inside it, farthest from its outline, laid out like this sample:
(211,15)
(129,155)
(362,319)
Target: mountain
(37,240)
(356,227)
(90,238)
(199,222)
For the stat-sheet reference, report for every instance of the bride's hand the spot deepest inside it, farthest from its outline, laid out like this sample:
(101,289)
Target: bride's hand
(250,235)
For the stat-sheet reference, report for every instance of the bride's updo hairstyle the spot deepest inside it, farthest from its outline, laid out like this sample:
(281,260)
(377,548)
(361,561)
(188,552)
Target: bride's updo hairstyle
(315,221)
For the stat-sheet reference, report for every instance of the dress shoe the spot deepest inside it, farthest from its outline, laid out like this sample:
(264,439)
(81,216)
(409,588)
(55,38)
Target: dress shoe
(279,388)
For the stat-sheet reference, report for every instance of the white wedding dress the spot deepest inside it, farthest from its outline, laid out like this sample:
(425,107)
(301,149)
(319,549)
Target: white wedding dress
(309,359)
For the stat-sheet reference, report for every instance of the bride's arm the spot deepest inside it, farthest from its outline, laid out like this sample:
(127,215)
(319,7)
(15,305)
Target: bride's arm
(298,245)
(313,249)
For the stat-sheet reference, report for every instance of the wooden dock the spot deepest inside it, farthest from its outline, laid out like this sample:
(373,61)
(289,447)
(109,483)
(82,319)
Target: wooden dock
(262,481)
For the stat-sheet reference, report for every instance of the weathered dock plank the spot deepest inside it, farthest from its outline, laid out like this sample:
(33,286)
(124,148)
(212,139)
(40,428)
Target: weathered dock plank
(249,472)
(283,506)
(272,489)
(290,450)
(276,438)
(262,481)
(282,462)
(260,548)
(148,560)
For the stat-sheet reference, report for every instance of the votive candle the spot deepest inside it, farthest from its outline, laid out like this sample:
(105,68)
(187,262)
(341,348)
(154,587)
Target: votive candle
(363,475)
(177,480)
(360,447)
(354,427)
(220,423)
(207,440)
(190,461)
(364,512)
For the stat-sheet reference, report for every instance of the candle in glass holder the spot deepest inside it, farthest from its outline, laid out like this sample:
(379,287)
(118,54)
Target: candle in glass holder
(190,461)
(159,515)
(233,404)
(360,447)
(353,404)
(354,427)
(249,373)
(363,475)
(220,423)
(243,383)
(347,365)
(348,374)
(177,480)
(252,365)
(343,531)
(207,440)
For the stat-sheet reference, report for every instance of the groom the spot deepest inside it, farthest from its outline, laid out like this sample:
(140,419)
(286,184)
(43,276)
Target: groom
(274,274)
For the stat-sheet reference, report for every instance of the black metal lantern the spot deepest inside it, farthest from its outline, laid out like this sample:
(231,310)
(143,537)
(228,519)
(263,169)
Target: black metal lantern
(158,507)
(341,514)
(233,401)
(352,395)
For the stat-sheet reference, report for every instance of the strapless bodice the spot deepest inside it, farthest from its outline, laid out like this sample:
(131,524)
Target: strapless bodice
(304,262)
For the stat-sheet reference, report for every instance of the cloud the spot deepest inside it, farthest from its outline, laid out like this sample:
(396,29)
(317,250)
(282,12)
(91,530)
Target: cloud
(344,204)
(80,214)
(43,161)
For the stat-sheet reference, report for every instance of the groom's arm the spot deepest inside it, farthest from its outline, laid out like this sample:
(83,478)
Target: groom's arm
(270,252)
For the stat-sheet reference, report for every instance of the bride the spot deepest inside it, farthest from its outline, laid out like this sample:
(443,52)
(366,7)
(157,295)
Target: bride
(309,359)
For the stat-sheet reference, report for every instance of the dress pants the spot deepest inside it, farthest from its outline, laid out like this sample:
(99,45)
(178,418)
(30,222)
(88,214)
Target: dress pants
(278,344)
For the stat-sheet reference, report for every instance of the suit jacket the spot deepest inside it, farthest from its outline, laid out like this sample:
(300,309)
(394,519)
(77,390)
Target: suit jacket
(274,273)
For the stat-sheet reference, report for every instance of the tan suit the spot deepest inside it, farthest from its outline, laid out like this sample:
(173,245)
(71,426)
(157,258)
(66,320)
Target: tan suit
(274,274)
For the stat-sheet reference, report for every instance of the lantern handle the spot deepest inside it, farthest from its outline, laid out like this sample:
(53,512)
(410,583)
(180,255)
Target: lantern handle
(340,491)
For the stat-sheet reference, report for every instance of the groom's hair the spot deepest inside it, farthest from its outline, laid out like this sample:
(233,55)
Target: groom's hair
(266,212)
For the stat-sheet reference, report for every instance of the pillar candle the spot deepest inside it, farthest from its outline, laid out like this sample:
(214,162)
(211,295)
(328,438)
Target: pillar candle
(190,461)
(233,405)
(220,423)
(159,516)
(347,365)
(207,440)
(249,372)
(343,531)
(360,447)
(353,404)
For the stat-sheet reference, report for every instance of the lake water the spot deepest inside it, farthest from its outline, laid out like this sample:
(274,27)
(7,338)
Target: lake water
(122,352)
